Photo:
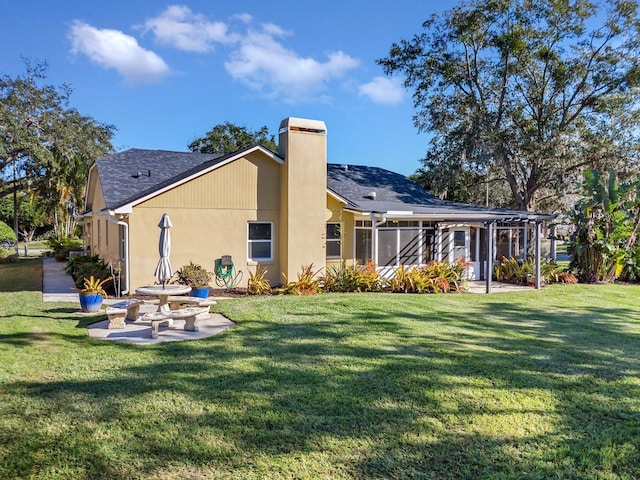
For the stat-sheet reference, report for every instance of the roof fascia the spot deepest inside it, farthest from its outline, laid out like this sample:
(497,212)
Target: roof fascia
(127,208)
(467,217)
(334,195)
(86,192)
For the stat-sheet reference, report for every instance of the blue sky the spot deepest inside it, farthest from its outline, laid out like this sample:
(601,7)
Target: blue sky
(166,73)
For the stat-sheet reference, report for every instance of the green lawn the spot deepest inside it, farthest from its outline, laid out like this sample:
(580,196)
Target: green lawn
(540,384)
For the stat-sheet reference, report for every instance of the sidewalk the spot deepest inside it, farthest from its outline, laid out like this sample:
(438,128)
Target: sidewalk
(57,286)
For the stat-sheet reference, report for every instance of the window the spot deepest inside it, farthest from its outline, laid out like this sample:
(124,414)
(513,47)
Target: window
(260,241)
(123,243)
(333,240)
(364,239)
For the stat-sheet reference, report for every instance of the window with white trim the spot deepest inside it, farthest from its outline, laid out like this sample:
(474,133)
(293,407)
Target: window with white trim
(334,238)
(260,241)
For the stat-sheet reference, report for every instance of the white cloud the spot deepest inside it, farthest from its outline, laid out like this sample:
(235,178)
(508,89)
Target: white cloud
(383,90)
(264,64)
(180,28)
(114,49)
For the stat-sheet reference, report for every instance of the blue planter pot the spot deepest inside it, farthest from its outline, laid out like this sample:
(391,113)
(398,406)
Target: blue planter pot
(90,302)
(200,292)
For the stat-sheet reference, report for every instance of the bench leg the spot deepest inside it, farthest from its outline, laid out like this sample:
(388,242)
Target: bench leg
(190,323)
(133,312)
(116,321)
(155,326)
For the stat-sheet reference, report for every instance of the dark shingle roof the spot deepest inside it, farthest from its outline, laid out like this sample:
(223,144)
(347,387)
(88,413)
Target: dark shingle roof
(396,193)
(133,174)
(126,176)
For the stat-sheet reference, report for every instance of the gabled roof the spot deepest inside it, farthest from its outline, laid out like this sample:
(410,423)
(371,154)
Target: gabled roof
(134,175)
(376,190)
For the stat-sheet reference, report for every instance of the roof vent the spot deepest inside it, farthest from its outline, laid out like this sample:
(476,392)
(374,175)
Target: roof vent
(140,174)
(345,168)
(371,195)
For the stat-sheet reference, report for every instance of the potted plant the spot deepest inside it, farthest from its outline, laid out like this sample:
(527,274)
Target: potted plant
(91,293)
(197,277)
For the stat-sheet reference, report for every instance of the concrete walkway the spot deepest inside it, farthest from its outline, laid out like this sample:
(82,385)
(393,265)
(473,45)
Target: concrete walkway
(57,286)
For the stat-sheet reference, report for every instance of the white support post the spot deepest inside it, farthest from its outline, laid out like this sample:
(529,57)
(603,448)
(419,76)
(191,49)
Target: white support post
(538,250)
(489,273)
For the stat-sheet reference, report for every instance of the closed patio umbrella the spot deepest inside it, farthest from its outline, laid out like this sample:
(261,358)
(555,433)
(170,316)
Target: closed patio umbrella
(163,270)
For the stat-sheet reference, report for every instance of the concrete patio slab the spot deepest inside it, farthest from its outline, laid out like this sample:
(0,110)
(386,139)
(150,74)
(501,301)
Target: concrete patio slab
(139,332)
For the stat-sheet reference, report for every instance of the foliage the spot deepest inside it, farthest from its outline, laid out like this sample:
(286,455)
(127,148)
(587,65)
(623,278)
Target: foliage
(529,91)
(521,271)
(567,277)
(47,145)
(352,279)
(258,284)
(227,138)
(434,277)
(606,221)
(93,285)
(8,255)
(551,272)
(7,233)
(31,214)
(85,266)
(60,247)
(308,282)
(193,275)
(513,270)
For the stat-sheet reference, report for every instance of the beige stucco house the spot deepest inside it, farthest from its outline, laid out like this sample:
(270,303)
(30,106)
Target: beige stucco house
(284,210)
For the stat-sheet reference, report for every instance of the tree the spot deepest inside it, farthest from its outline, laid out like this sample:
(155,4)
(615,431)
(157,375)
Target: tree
(46,146)
(529,90)
(31,213)
(227,138)
(607,218)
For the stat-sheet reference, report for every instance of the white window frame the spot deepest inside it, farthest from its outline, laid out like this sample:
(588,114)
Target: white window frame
(249,242)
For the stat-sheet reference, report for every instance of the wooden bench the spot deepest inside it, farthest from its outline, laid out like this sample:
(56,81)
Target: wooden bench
(121,311)
(177,302)
(190,315)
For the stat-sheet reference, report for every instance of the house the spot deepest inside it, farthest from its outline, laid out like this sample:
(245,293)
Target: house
(284,210)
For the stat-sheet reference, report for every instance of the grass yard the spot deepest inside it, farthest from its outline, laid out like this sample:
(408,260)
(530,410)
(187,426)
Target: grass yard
(540,384)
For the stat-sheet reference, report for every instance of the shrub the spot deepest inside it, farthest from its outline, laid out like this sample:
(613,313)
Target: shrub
(308,283)
(567,277)
(550,271)
(6,233)
(60,247)
(86,266)
(258,283)
(193,275)
(434,277)
(444,276)
(352,279)
(8,255)
(513,270)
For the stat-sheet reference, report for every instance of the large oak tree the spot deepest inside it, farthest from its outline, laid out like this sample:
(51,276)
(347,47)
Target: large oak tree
(227,138)
(527,92)
(46,146)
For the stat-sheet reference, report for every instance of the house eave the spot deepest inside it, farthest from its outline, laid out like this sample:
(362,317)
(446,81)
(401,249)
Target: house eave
(475,217)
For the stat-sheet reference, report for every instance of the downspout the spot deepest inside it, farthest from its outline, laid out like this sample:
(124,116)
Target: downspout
(126,251)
